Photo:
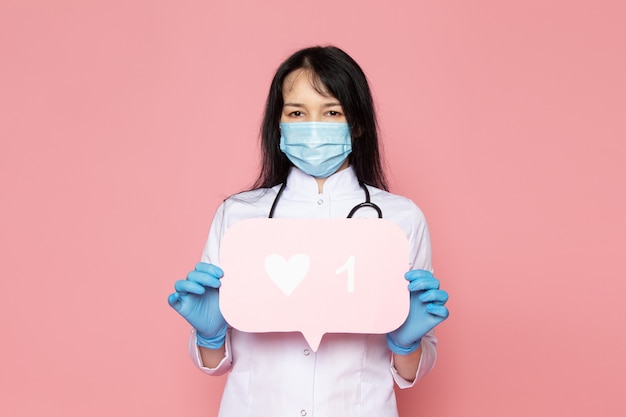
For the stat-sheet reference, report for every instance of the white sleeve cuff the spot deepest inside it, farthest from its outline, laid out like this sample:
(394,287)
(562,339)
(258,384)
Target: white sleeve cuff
(221,368)
(427,362)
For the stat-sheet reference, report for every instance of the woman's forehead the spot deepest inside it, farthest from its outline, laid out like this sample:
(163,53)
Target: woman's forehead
(305,75)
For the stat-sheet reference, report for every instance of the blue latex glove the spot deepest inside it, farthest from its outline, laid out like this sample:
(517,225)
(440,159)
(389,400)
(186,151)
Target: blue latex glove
(197,300)
(426,311)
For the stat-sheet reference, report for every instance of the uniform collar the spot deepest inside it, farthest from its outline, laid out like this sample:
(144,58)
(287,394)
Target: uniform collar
(303,185)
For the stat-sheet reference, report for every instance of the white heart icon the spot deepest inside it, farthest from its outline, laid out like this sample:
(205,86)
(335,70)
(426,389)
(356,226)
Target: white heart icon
(287,274)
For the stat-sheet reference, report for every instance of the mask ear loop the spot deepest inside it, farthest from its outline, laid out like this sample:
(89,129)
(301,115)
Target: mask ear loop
(367,203)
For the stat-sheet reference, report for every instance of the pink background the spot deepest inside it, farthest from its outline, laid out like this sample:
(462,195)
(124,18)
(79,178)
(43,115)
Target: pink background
(123,124)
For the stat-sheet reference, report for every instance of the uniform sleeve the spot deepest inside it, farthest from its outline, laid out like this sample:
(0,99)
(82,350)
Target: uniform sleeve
(211,251)
(224,365)
(210,254)
(420,257)
(427,362)
(420,251)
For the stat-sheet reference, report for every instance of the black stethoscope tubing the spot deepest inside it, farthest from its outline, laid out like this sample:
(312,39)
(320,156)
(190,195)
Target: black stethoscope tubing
(366,203)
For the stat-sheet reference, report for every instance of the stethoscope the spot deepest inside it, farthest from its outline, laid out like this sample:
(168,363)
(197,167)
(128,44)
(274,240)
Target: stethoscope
(366,203)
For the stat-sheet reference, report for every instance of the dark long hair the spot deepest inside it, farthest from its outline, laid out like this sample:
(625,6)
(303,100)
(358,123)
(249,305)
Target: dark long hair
(336,72)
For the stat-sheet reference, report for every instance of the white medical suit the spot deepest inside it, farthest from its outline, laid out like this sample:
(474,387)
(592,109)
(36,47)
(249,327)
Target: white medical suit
(350,375)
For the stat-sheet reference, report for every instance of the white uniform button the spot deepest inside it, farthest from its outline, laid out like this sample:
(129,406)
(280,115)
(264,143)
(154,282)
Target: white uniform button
(307,352)
(320,202)
(303,412)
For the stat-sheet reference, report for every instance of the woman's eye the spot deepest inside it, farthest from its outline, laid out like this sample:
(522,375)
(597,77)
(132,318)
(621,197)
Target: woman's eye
(333,113)
(296,113)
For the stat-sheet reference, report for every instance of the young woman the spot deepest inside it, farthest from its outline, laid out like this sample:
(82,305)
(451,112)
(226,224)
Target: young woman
(320,159)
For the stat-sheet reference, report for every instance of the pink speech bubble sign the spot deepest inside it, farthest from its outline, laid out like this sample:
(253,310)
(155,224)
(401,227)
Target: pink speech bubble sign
(314,276)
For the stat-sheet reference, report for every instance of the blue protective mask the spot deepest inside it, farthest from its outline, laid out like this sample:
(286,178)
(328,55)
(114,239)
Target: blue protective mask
(317,148)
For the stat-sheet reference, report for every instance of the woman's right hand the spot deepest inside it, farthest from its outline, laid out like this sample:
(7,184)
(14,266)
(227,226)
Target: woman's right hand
(197,300)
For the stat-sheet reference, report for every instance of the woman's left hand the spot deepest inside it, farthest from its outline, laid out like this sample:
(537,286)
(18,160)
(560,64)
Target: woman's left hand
(427,309)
